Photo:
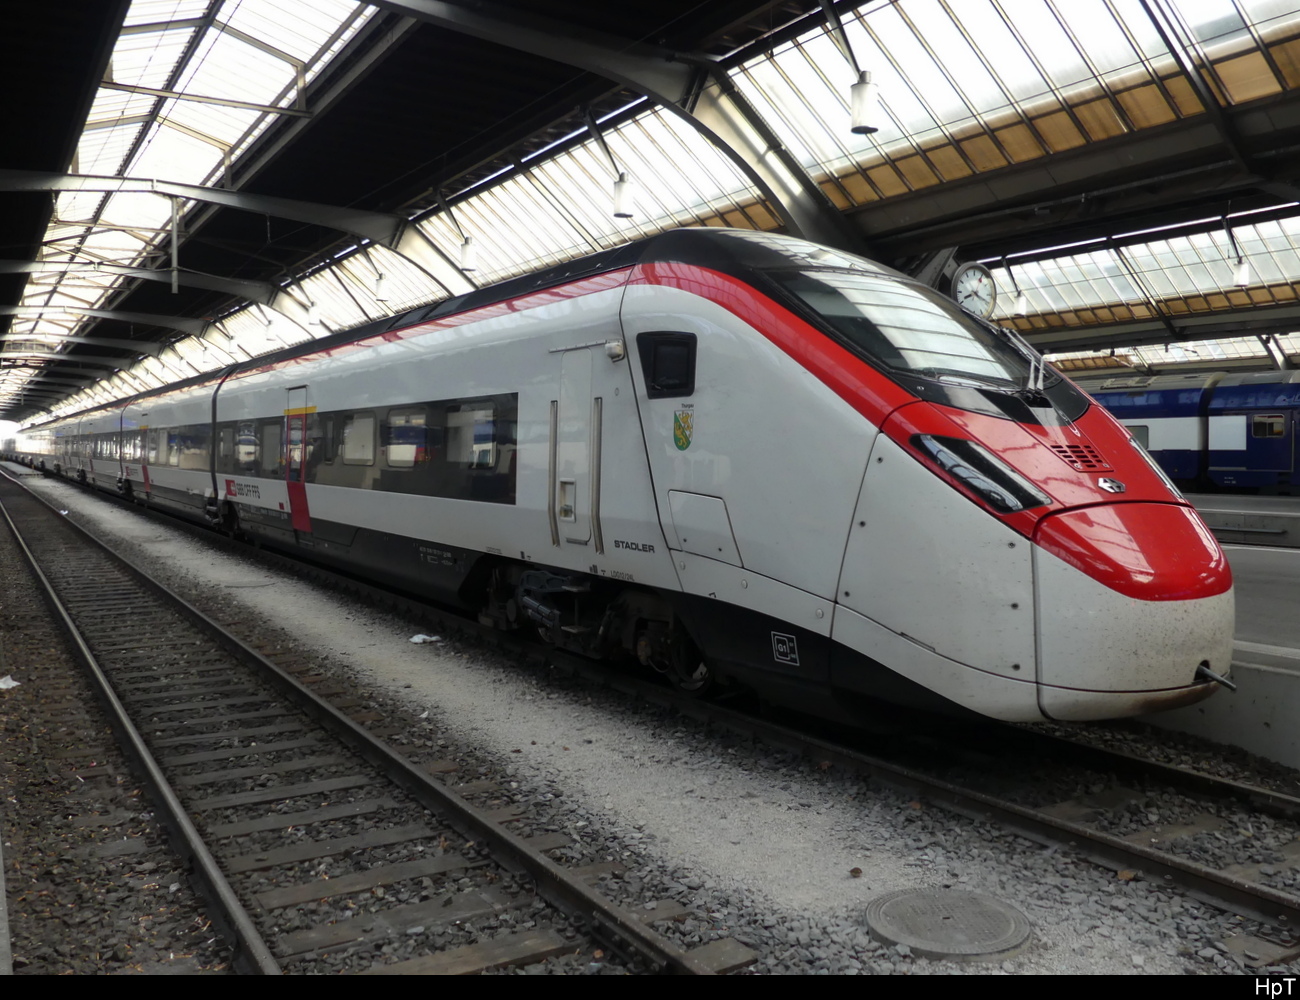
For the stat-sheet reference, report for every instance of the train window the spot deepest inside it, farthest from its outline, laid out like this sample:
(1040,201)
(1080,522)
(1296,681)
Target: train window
(1141,434)
(910,328)
(173,447)
(133,446)
(471,436)
(157,447)
(271,439)
(225,449)
(1268,425)
(195,445)
(667,364)
(406,438)
(246,449)
(328,443)
(359,439)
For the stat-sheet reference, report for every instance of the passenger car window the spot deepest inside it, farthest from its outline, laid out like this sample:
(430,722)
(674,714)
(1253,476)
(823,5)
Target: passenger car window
(471,437)
(359,439)
(405,438)
(1268,425)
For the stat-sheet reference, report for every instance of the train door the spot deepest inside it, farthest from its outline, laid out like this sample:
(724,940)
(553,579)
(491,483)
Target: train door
(295,437)
(1270,442)
(572,488)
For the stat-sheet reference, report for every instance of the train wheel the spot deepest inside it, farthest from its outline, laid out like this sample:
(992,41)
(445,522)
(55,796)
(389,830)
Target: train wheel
(688,670)
(698,681)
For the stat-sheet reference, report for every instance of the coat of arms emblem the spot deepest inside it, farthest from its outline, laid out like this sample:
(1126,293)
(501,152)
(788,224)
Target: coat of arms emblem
(683,425)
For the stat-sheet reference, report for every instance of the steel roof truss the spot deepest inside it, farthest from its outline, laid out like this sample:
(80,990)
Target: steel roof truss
(224,102)
(378,226)
(718,112)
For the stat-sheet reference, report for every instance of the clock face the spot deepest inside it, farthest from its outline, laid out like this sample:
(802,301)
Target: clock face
(974,290)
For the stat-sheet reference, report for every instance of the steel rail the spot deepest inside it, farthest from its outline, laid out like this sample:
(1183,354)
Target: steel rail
(1278,804)
(1227,892)
(1224,891)
(251,953)
(572,896)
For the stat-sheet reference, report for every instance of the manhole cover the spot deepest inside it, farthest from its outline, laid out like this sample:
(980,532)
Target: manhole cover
(942,923)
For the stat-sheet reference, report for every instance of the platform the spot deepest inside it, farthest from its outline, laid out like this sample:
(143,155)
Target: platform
(1260,715)
(1250,520)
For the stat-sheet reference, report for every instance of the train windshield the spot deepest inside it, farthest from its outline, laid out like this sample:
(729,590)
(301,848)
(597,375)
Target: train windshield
(909,328)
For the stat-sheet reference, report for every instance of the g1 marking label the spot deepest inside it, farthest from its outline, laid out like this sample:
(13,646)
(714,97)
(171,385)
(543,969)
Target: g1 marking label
(785,649)
(634,546)
(250,490)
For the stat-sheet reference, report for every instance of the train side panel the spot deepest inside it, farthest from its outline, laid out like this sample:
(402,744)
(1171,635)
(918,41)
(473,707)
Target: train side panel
(754,490)
(165,459)
(492,395)
(1166,414)
(1253,422)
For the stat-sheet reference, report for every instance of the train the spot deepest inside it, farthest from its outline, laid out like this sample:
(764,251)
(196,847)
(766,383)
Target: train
(1212,431)
(732,457)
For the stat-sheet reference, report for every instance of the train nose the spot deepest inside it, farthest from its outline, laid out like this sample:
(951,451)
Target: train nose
(1133,597)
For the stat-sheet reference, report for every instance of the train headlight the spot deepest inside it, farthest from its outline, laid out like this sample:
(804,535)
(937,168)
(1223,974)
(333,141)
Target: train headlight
(998,485)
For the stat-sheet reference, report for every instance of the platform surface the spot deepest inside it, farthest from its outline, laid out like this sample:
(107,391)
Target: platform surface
(1260,716)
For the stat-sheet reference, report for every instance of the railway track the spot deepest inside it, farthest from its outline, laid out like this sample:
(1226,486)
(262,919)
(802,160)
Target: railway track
(79,832)
(1139,818)
(319,847)
(1110,820)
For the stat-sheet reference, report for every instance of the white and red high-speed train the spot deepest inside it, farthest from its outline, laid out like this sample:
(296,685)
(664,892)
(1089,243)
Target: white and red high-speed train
(729,454)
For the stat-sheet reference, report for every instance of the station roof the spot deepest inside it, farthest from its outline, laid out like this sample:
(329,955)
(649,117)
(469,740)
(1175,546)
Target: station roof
(184,182)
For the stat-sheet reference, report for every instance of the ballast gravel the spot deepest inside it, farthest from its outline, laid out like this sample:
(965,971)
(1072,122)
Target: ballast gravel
(779,852)
(90,883)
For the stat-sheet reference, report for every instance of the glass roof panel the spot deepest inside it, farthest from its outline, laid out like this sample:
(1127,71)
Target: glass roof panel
(257,332)
(945,68)
(230,68)
(1100,38)
(147,59)
(1211,20)
(405,285)
(965,88)
(561,208)
(101,150)
(338,308)
(1054,50)
(77,206)
(990,32)
(155,11)
(138,209)
(174,155)
(221,127)
(1196,272)
(297,27)
(186,141)
(112,105)
(1162,356)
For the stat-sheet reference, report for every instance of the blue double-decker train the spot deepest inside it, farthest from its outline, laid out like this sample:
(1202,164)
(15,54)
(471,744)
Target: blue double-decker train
(1212,431)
